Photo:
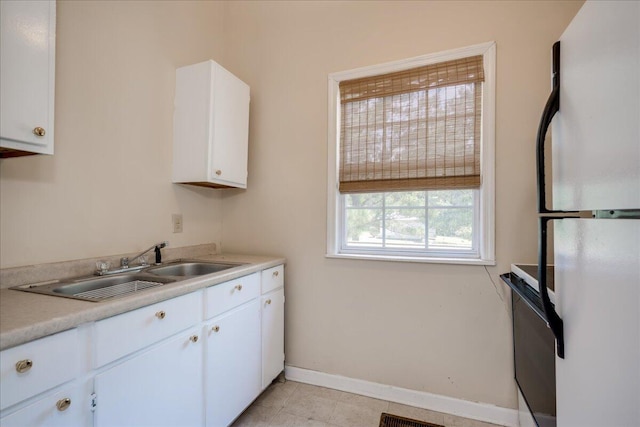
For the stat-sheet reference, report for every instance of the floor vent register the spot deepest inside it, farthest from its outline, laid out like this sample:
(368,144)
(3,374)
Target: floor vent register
(389,420)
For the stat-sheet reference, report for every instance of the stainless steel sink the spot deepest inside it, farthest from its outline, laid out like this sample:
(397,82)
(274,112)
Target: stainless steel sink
(190,268)
(99,288)
(118,285)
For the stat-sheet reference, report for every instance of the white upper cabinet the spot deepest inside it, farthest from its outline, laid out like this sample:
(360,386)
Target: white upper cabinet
(27,77)
(210,127)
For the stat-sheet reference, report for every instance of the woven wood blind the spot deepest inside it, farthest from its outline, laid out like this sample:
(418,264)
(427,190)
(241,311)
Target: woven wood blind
(417,129)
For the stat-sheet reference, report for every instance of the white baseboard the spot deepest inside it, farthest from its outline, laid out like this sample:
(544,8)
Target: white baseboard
(434,402)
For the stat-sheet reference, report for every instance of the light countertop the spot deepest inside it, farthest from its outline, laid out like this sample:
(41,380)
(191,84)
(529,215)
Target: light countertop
(26,316)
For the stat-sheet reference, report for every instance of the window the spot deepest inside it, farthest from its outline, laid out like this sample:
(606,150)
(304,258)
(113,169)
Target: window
(411,159)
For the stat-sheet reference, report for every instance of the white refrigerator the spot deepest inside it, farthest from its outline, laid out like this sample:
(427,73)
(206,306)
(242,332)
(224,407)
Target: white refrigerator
(595,142)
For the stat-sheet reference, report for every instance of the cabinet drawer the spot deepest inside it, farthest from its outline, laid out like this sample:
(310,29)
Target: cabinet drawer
(272,278)
(227,295)
(120,335)
(66,407)
(44,363)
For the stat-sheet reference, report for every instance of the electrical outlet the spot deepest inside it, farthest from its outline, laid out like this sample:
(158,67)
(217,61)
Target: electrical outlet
(177,223)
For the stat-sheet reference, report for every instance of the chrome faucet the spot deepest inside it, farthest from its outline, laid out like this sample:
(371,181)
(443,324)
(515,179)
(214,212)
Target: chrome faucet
(124,261)
(103,267)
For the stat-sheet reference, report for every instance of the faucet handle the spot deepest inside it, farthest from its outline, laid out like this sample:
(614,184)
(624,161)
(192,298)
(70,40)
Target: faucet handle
(102,267)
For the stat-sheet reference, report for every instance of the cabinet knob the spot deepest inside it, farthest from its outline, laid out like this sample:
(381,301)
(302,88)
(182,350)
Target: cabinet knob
(38,131)
(161,314)
(238,287)
(63,404)
(193,338)
(24,365)
(216,328)
(268,301)
(275,274)
(218,172)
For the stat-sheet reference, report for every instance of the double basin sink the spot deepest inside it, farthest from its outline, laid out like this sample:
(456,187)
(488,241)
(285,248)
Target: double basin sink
(118,285)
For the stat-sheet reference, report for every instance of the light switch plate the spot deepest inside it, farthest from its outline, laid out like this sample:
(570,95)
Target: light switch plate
(176,219)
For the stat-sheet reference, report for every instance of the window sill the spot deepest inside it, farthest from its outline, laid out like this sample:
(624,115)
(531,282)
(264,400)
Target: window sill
(461,261)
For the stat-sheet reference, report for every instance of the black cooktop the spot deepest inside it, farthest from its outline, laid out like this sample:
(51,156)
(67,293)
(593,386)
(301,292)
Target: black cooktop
(531,274)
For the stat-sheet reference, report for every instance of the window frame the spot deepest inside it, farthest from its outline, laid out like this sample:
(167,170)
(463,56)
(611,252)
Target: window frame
(486,192)
(399,251)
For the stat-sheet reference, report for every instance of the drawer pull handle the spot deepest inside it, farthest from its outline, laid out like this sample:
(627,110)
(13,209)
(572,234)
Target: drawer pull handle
(161,314)
(275,274)
(24,365)
(63,404)
(218,172)
(238,287)
(38,131)
(193,338)
(268,301)
(216,328)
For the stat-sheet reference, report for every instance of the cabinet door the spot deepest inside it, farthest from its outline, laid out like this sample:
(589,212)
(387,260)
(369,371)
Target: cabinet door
(161,387)
(232,363)
(27,67)
(210,127)
(229,149)
(272,335)
(68,407)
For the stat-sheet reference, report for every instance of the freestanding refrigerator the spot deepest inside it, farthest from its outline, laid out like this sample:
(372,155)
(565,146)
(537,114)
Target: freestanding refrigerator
(595,140)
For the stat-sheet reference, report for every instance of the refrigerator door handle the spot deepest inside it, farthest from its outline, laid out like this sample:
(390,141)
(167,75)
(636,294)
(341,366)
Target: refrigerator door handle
(550,110)
(554,322)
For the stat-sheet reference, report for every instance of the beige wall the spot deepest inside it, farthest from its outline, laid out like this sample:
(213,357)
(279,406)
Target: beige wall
(442,329)
(107,189)
(437,328)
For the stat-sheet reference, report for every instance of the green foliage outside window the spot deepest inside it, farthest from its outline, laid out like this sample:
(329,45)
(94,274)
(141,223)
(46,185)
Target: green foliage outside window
(410,219)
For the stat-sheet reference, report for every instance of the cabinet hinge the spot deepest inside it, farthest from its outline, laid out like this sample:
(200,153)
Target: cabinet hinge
(93,402)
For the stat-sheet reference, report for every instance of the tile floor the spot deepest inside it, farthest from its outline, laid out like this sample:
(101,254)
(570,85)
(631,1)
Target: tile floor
(292,404)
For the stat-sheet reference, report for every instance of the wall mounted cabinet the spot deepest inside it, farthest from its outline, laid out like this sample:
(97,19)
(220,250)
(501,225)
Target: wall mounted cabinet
(210,127)
(27,77)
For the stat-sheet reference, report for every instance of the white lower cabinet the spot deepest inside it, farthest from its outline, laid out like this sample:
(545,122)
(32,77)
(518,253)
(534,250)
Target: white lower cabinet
(144,326)
(161,387)
(195,360)
(232,366)
(40,365)
(66,407)
(272,306)
(272,335)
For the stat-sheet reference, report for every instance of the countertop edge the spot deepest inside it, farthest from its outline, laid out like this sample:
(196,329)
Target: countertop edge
(25,317)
